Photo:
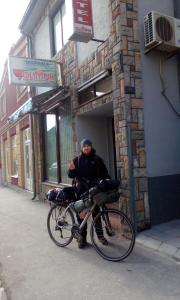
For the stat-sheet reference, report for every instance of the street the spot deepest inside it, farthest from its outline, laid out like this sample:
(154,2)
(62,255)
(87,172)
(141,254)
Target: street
(33,268)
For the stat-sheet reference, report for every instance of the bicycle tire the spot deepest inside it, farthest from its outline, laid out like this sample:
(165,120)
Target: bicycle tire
(121,241)
(57,226)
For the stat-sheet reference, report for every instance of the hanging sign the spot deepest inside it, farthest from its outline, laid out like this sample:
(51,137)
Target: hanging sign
(82,21)
(32,72)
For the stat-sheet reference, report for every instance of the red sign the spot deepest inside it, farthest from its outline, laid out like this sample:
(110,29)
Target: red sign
(83,29)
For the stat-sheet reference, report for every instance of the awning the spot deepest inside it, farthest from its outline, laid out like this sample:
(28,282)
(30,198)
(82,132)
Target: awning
(49,100)
(44,102)
(21,111)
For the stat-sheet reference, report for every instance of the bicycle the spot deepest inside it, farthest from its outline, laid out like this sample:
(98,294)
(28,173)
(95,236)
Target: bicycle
(115,225)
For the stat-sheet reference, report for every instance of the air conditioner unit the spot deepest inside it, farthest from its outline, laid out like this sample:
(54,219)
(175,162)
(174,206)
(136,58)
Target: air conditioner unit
(161,32)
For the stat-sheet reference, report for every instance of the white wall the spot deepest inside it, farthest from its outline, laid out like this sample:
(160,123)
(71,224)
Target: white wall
(42,47)
(162,126)
(96,129)
(101,25)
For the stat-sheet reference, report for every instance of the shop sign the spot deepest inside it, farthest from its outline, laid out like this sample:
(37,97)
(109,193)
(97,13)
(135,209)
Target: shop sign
(32,72)
(82,21)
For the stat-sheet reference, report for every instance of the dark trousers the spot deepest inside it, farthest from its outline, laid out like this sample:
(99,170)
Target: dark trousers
(98,225)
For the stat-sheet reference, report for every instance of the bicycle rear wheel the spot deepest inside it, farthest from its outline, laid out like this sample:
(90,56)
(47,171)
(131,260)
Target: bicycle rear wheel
(59,225)
(118,230)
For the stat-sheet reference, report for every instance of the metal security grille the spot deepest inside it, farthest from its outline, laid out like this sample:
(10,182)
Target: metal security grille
(148,29)
(164,29)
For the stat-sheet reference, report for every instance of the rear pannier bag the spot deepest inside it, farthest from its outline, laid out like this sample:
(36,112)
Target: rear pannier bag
(66,194)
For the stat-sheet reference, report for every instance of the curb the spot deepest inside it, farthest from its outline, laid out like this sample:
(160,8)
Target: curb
(159,246)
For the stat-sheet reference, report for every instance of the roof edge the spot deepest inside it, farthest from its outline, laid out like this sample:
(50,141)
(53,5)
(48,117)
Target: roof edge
(28,11)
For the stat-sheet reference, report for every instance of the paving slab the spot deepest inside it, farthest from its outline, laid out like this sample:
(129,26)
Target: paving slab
(164,238)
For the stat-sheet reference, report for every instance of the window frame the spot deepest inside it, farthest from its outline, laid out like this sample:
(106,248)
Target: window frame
(46,175)
(92,83)
(57,113)
(20,93)
(58,10)
(3,104)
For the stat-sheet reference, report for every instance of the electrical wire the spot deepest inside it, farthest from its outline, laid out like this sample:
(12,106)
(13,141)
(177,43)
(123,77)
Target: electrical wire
(163,92)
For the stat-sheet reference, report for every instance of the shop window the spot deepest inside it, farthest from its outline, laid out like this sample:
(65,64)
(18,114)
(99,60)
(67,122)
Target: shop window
(66,147)
(58,144)
(14,155)
(51,148)
(62,25)
(2,104)
(98,89)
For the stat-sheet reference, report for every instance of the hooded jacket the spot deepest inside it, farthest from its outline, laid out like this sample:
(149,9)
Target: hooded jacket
(89,167)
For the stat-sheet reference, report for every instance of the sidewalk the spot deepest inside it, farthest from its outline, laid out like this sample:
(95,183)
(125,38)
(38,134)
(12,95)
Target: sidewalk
(33,267)
(164,238)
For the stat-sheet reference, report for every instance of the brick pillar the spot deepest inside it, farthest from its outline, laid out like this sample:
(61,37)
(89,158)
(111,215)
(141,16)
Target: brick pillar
(128,107)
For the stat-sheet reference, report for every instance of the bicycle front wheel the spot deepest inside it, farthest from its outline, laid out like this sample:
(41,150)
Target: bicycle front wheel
(118,231)
(59,224)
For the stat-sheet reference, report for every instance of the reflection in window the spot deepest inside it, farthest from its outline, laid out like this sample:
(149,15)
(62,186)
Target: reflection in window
(57,26)
(104,86)
(66,151)
(62,25)
(59,148)
(51,152)
(96,90)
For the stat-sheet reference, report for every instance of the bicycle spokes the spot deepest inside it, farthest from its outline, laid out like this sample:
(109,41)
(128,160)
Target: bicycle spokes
(117,230)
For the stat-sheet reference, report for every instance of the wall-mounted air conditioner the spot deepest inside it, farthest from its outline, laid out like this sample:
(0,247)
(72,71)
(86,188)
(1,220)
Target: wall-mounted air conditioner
(161,32)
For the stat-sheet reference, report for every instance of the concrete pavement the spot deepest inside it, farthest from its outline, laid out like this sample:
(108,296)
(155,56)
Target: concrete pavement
(33,268)
(164,238)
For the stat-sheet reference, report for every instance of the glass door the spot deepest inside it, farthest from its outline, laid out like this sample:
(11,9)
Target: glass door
(27,159)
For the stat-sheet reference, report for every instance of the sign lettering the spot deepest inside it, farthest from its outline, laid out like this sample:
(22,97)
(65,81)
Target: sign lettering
(32,72)
(82,16)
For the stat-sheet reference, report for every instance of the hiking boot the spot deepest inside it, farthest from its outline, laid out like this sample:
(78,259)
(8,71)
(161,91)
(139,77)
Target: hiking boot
(103,241)
(82,243)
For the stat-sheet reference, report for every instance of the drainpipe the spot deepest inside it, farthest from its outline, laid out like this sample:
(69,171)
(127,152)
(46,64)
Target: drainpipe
(131,181)
(31,92)
(33,157)
(177,15)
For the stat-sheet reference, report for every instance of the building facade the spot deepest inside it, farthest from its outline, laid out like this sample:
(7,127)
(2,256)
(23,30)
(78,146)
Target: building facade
(15,133)
(110,92)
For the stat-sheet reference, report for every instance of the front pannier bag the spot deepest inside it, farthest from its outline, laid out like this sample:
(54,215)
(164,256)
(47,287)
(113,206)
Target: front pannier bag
(102,198)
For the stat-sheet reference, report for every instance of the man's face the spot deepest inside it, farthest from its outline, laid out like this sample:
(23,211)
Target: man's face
(86,149)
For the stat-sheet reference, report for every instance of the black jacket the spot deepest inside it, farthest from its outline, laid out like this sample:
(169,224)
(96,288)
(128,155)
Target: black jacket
(91,168)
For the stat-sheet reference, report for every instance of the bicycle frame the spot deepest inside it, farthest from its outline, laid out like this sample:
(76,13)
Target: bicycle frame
(88,214)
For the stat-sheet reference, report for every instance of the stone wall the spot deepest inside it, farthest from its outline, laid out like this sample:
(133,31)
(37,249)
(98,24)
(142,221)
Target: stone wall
(121,53)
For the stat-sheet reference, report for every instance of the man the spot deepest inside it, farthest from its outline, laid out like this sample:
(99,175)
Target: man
(88,167)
